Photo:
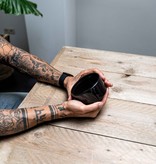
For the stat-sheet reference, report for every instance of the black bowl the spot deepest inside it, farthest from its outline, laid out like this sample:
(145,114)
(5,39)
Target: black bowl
(89,89)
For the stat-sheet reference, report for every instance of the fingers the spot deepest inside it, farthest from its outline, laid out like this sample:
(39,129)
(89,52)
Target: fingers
(69,97)
(78,109)
(106,81)
(108,84)
(105,96)
(95,108)
(91,114)
(95,70)
(92,110)
(73,80)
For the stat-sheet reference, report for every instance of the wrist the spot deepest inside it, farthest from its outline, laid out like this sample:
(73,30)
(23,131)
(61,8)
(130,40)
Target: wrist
(61,110)
(53,112)
(57,112)
(67,79)
(63,80)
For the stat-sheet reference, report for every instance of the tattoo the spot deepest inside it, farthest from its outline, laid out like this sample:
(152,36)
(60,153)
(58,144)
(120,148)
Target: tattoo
(40,117)
(53,111)
(5,50)
(25,121)
(28,63)
(13,121)
(61,108)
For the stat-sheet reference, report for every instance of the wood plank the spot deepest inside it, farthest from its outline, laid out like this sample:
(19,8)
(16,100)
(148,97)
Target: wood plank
(58,145)
(118,119)
(126,117)
(115,62)
(133,88)
(43,94)
(134,79)
(121,119)
(124,131)
(125,86)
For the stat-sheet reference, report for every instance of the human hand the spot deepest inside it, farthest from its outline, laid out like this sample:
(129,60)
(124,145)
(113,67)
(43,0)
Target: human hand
(74,108)
(70,81)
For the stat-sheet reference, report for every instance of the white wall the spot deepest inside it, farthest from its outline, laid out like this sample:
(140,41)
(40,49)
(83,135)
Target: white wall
(48,34)
(117,25)
(17,23)
(70,22)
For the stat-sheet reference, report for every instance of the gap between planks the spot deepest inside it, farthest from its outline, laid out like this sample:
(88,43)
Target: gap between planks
(101,135)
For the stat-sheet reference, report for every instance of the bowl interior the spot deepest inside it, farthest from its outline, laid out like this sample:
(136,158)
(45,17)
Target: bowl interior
(85,83)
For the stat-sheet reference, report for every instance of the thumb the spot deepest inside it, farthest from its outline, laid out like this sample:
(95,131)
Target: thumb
(69,94)
(69,97)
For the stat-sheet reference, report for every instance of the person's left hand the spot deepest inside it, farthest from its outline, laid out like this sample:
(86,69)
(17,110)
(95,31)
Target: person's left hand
(70,81)
(75,108)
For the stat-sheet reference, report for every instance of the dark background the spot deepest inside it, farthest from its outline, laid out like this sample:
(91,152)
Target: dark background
(17,82)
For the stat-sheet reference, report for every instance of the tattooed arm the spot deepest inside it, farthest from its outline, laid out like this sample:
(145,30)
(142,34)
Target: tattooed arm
(38,68)
(14,121)
(18,120)
(28,63)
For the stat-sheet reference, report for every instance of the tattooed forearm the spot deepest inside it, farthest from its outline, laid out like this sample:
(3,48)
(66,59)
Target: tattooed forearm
(28,63)
(61,108)
(35,67)
(40,116)
(53,111)
(5,50)
(14,121)
(62,111)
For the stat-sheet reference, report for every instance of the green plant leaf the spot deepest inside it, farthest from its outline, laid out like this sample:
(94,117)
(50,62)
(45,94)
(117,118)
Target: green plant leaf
(19,7)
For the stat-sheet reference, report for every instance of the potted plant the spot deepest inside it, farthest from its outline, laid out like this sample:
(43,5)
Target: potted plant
(19,7)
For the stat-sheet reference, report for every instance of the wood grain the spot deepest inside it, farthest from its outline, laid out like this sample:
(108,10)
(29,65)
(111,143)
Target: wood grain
(55,145)
(121,119)
(123,132)
(114,62)
(136,84)
(126,117)
(133,76)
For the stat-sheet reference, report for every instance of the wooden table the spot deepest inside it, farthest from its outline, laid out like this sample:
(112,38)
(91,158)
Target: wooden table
(124,131)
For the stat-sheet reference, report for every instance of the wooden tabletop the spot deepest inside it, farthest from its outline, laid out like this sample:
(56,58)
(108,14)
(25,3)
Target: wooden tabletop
(123,132)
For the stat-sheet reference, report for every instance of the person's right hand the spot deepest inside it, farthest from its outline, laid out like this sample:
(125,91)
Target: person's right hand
(74,108)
